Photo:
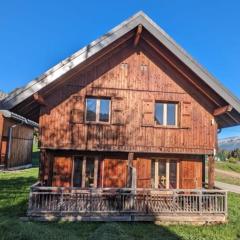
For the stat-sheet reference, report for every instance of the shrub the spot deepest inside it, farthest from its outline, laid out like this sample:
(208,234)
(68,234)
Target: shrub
(232,160)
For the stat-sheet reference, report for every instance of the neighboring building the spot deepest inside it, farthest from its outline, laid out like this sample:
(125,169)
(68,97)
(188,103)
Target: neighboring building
(131,110)
(16,138)
(2,95)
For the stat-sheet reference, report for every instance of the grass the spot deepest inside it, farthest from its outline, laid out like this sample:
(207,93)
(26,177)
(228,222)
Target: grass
(14,187)
(227,166)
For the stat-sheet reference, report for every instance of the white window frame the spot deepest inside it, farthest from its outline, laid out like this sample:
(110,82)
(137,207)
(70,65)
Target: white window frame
(98,110)
(156,161)
(165,114)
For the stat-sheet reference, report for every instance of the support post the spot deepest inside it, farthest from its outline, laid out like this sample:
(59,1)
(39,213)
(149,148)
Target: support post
(211,171)
(138,35)
(222,110)
(130,165)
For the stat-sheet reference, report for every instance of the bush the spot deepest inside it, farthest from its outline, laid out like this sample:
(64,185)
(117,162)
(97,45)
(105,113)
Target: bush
(232,160)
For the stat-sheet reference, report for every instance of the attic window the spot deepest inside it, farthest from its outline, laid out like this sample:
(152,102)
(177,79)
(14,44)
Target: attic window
(97,110)
(166,114)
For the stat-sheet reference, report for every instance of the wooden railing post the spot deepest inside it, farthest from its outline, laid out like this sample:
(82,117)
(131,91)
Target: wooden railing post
(226,204)
(30,201)
(61,202)
(211,171)
(201,202)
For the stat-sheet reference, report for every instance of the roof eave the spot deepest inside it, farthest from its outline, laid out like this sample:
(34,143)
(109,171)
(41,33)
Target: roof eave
(104,41)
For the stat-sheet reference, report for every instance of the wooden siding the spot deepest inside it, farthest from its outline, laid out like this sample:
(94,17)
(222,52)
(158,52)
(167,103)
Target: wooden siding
(191,174)
(62,171)
(112,171)
(134,79)
(143,172)
(21,145)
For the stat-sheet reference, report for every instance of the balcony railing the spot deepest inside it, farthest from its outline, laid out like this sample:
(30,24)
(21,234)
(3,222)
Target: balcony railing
(60,202)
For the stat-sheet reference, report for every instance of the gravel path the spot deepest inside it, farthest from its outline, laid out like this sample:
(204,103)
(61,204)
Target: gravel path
(229,187)
(228,173)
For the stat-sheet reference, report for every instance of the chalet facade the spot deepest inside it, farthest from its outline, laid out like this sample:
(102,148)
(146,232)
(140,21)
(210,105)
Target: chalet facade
(126,126)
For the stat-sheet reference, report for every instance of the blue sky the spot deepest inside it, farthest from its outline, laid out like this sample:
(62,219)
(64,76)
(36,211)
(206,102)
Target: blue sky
(35,35)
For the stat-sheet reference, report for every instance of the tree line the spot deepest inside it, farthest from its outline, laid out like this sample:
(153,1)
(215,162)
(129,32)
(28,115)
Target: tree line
(231,156)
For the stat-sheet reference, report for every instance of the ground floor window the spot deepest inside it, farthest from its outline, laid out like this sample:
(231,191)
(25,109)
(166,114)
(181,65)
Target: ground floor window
(85,171)
(165,173)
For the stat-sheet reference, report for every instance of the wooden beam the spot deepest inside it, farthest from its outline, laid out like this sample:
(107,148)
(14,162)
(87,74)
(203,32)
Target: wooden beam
(39,99)
(130,165)
(211,171)
(185,75)
(138,35)
(89,62)
(221,110)
(176,67)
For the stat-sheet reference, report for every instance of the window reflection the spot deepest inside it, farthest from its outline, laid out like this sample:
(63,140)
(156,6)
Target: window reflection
(104,110)
(171,114)
(89,176)
(97,110)
(159,113)
(91,109)
(165,114)
(77,172)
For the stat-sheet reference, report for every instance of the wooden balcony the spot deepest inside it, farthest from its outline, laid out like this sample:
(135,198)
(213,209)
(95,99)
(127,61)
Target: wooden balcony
(186,206)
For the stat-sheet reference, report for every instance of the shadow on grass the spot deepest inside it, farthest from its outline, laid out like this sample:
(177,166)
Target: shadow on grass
(14,193)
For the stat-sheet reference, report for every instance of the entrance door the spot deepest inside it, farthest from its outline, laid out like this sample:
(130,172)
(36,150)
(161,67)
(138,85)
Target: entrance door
(165,174)
(191,174)
(143,172)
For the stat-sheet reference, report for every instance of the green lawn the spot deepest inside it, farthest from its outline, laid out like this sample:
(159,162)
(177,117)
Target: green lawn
(14,188)
(227,166)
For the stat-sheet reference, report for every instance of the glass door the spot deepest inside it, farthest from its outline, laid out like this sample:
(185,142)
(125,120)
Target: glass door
(85,171)
(164,173)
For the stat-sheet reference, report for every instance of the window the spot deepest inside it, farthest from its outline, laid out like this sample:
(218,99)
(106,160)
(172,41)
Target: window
(166,114)
(89,175)
(164,173)
(98,110)
(85,170)
(77,171)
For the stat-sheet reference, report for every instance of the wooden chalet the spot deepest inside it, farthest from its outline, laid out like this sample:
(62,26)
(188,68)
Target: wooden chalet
(126,126)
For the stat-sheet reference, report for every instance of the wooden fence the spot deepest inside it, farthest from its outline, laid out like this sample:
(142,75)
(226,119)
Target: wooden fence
(94,202)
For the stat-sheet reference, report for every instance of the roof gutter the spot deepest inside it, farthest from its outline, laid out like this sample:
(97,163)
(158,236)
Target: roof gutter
(17,117)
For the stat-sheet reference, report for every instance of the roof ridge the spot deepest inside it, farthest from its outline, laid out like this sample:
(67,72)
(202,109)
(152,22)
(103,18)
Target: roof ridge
(115,33)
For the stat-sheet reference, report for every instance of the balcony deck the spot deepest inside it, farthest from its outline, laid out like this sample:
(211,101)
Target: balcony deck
(109,204)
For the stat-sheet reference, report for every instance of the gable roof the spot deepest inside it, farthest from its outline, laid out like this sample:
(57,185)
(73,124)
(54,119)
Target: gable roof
(16,97)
